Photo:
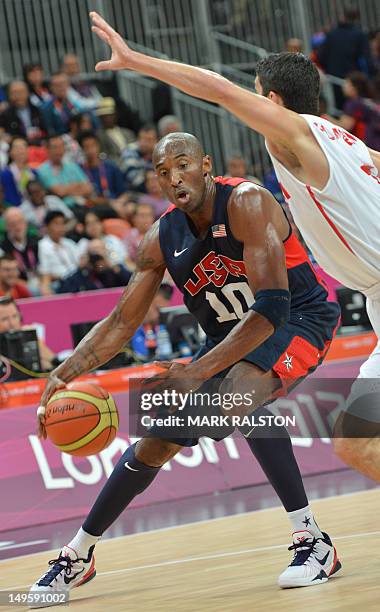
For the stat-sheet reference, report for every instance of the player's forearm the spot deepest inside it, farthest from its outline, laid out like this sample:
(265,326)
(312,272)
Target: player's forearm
(103,342)
(194,81)
(245,337)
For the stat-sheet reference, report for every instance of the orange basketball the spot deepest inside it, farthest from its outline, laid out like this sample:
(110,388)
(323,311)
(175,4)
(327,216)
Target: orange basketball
(81,419)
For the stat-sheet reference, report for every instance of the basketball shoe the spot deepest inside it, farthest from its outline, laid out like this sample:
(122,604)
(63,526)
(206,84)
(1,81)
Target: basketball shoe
(315,561)
(66,572)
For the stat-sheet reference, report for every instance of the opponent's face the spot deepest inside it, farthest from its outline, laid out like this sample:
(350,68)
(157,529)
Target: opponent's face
(182,176)
(272,95)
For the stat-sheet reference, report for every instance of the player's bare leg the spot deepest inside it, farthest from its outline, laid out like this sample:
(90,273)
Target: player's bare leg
(315,558)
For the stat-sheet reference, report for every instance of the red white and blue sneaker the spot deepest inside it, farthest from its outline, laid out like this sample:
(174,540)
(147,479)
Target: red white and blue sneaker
(315,561)
(66,572)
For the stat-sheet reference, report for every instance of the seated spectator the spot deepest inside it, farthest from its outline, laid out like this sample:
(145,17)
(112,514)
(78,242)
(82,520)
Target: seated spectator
(58,256)
(96,271)
(38,203)
(115,248)
(21,118)
(10,283)
(58,111)
(15,177)
(113,138)
(81,93)
(142,221)
(34,78)
(294,45)
(22,247)
(153,194)
(237,168)
(11,320)
(138,158)
(356,109)
(73,151)
(64,179)
(106,177)
(169,124)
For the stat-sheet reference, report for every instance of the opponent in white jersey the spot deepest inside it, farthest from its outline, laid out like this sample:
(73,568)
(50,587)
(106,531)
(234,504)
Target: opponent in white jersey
(333,185)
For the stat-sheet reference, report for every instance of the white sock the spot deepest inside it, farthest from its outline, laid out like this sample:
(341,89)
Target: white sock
(81,542)
(303,520)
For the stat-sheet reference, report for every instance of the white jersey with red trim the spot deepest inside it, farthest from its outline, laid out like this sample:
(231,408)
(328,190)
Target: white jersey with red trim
(340,223)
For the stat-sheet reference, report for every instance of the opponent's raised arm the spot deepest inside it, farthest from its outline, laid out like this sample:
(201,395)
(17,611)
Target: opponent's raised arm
(259,113)
(109,336)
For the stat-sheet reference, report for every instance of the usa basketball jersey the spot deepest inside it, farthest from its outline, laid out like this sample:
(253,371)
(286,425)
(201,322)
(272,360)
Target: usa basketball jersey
(340,223)
(211,274)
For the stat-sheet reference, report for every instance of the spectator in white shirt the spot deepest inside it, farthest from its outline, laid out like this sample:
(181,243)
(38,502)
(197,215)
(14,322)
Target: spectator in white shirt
(38,204)
(116,250)
(58,256)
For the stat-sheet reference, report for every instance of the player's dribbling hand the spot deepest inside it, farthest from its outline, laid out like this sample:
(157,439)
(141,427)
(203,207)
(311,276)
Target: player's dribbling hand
(53,384)
(121,53)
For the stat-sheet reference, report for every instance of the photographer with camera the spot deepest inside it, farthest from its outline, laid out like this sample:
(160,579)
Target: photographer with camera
(95,271)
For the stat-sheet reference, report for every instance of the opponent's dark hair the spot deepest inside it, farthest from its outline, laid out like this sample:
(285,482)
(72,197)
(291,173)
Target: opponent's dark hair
(292,76)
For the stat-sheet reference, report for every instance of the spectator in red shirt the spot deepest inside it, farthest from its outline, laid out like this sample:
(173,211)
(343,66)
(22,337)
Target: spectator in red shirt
(10,284)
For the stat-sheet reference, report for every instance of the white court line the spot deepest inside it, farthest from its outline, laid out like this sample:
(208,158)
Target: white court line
(202,521)
(22,545)
(225,554)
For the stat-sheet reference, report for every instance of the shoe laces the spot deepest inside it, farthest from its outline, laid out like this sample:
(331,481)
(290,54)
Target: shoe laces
(302,552)
(59,564)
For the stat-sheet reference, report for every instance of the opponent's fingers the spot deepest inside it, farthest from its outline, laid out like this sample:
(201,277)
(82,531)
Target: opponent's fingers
(104,66)
(101,23)
(102,34)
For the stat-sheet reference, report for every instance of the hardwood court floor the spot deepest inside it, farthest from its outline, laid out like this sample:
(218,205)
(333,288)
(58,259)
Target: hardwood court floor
(225,565)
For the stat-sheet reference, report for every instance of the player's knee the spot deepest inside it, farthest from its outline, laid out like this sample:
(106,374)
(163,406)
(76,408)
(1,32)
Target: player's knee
(155,452)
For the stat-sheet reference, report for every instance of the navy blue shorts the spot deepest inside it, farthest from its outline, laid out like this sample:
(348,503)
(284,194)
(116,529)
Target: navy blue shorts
(292,352)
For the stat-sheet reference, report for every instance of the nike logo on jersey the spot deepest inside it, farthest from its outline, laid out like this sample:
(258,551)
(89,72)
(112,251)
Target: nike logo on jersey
(324,559)
(126,464)
(178,253)
(69,579)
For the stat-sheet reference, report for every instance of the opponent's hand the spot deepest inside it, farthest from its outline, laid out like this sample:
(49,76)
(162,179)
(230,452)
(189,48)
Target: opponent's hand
(53,384)
(121,53)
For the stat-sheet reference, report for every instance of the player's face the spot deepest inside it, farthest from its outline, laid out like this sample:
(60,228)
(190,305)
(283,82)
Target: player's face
(182,178)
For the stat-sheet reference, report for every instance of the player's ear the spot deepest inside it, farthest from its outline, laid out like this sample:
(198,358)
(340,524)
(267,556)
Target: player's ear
(274,97)
(206,165)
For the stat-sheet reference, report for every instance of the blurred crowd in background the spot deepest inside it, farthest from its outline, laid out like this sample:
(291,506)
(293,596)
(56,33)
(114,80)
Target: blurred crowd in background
(77,186)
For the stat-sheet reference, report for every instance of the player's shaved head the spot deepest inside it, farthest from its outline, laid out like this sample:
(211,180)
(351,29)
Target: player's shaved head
(175,144)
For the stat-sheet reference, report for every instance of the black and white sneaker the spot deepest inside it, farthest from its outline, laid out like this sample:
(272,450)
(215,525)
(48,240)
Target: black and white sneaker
(315,561)
(66,572)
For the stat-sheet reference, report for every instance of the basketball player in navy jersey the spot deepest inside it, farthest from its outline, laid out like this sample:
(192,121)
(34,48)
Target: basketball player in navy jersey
(331,181)
(244,275)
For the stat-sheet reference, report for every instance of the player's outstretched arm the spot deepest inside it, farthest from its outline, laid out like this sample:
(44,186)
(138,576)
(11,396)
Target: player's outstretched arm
(258,222)
(109,336)
(271,120)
